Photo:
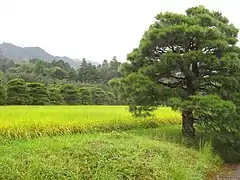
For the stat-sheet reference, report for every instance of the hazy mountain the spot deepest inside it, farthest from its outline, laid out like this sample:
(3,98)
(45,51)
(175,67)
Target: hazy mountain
(19,54)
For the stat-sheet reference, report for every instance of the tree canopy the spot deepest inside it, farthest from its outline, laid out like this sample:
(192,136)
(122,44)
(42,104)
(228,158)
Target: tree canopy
(17,92)
(2,94)
(38,94)
(47,80)
(36,70)
(181,57)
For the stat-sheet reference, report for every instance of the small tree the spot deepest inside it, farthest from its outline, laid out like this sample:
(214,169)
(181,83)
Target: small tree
(17,92)
(218,119)
(85,96)
(38,94)
(70,94)
(54,96)
(58,73)
(112,99)
(2,94)
(99,96)
(180,56)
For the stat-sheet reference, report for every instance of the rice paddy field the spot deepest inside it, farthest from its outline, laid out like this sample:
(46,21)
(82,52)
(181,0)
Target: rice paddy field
(33,121)
(99,143)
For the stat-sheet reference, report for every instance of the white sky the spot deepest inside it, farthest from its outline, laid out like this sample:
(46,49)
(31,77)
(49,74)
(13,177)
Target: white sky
(94,29)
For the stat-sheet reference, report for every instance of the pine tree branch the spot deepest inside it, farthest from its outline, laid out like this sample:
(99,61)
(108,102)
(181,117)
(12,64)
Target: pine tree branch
(172,85)
(203,86)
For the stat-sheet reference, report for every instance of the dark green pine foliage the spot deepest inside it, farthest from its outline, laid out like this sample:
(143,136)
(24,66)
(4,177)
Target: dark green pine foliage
(112,98)
(96,96)
(179,57)
(17,92)
(99,96)
(69,94)
(54,96)
(38,94)
(2,94)
(85,96)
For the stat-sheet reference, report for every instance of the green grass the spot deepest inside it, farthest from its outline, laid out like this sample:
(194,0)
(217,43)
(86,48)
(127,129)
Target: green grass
(26,122)
(136,154)
(98,142)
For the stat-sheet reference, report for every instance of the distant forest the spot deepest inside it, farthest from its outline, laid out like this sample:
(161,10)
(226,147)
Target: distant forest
(39,82)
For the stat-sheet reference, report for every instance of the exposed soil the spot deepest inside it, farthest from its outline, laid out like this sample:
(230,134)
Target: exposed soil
(225,172)
(238,171)
(230,172)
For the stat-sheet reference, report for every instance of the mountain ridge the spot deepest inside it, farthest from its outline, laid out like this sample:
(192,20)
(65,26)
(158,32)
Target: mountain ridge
(20,54)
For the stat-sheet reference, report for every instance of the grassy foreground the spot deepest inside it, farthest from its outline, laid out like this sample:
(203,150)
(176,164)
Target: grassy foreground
(18,122)
(136,154)
(114,145)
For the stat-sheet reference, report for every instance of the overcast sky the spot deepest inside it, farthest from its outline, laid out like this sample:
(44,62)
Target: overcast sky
(94,29)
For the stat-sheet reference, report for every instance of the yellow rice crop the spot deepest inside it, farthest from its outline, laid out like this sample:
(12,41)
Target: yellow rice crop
(33,121)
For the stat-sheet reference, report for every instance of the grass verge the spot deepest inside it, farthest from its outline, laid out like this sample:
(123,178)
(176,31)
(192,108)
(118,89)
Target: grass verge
(136,154)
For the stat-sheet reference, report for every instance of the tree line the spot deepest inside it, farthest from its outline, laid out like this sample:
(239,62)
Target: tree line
(38,82)
(59,72)
(20,92)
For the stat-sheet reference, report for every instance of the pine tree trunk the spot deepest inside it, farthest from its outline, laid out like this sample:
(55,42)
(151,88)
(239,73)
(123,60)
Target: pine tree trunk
(188,129)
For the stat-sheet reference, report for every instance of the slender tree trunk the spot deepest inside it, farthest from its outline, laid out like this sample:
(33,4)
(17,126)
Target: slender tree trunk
(187,123)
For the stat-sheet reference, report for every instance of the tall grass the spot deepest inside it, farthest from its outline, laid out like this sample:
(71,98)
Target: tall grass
(116,155)
(141,153)
(18,122)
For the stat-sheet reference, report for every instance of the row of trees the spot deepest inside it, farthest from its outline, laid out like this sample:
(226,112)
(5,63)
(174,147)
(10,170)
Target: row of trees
(20,92)
(36,70)
(38,82)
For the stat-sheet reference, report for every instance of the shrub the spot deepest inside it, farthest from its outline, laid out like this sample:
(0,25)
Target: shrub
(2,94)
(38,94)
(55,96)
(70,94)
(17,92)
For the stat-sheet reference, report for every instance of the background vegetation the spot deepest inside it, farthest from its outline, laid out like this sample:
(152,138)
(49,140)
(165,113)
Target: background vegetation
(182,87)
(37,82)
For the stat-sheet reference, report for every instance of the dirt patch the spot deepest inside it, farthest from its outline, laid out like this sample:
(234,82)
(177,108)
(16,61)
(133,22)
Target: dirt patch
(230,172)
(238,171)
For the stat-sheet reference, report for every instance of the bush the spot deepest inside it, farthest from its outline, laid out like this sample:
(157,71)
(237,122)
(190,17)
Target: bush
(112,99)
(38,94)
(85,96)
(55,96)
(219,119)
(17,92)
(99,96)
(70,94)
(2,94)
(96,96)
